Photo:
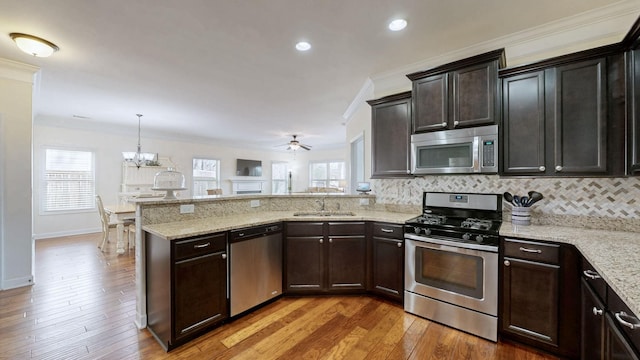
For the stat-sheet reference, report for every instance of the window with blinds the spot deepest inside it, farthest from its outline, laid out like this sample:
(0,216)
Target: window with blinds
(69,180)
(279,174)
(206,175)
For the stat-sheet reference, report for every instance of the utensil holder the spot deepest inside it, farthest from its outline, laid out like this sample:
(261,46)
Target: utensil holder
(521,215)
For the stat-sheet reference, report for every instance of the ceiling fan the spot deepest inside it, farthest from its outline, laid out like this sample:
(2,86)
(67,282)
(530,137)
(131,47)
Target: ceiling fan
(294,144)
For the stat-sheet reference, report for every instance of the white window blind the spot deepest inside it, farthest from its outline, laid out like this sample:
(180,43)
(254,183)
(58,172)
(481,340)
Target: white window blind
(206,175)
(330,174)
(279,176)
(69,180)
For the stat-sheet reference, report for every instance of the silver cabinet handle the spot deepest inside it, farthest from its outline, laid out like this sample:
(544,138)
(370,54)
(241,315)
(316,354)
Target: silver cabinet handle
(408,171)
(542,168)
(507,263)
(224,256)
(200,246)
(558,168)
(628,324)
(591,274)
(596,311)
(455,123)
(535,251)
(321,241)
(444,124)
(240,234)
(330,240)
(386,230)
(399,244)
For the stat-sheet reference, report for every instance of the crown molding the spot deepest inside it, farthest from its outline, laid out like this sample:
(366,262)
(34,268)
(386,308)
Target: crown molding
(598,27)
(14,70)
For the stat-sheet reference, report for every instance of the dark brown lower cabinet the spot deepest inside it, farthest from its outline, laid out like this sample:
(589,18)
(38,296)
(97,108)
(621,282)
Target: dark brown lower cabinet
(539,303)
(592,326)
(387,261)
(616,346)
(186,286)
(323,257)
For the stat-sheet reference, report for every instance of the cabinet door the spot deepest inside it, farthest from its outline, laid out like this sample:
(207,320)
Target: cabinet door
(390,132)
(200,292)
(530,300)
(523,124)
(430,103)
(592,325)
(617,347)
(388,267)
(579,114)
(474,95)
(347,262)
(634,111)
(304,264)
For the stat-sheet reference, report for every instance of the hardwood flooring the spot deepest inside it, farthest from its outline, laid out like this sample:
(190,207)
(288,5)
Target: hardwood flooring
(82,306)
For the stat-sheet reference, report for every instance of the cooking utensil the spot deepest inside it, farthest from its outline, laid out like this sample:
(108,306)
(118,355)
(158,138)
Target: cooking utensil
(534,197)
(524,201)
(508,197)
(516,200)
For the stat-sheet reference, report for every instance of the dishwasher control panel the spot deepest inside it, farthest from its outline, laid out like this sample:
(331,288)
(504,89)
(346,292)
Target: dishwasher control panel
(255,231)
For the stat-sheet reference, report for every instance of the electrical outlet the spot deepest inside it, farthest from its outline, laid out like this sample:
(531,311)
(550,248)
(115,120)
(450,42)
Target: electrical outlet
(364,201)
(187,209)
(255,203)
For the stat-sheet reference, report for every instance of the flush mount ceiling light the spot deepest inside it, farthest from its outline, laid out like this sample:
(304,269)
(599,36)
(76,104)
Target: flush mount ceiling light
(397,24)
(34,45)
(138,158)
(303,46)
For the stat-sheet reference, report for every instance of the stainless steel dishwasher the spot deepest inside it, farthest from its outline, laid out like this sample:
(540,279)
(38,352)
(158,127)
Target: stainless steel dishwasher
(255,266)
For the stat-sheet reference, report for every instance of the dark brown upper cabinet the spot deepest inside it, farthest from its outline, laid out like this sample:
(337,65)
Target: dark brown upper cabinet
(632,44)
(565,116)
(459,94)
(390,136)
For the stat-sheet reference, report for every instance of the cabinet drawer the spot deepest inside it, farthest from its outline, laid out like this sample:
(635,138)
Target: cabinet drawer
(529,250)
(346,228)
(305,229)
(593,280)
(200,246)
(393,231)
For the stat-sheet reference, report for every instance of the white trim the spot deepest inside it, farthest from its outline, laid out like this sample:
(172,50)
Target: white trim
(17,71)
(17,282)
(2,201)
(56,234)
(358,101)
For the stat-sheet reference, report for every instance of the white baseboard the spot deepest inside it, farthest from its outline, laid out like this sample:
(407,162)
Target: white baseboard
(16,283)
(66,233)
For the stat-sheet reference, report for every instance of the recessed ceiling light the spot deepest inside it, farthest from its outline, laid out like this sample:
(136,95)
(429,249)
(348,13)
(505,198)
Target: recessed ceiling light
(397,24)
(303,46)
(34,45)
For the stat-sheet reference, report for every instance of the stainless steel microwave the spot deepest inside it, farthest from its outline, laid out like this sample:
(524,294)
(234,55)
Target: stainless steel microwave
(458,151)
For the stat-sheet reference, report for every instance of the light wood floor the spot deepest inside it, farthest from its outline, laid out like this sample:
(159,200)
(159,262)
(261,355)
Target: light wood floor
(82,306)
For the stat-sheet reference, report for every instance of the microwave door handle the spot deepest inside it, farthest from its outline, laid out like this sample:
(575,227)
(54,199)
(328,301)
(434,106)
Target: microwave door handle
(476,154)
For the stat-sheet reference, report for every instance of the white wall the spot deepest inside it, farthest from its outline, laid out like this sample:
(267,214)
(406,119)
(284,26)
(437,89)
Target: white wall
(16,243)
(108,147)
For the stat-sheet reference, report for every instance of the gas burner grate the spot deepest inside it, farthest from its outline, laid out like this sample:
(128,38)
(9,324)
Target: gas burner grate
(430,219)
(477,224)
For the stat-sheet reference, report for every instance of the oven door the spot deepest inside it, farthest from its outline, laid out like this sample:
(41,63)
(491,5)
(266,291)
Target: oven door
(464,277)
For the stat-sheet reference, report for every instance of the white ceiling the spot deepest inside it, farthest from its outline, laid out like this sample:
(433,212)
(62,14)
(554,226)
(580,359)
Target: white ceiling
(227,70)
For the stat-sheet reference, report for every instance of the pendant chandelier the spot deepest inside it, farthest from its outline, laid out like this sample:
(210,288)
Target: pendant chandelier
(138,158)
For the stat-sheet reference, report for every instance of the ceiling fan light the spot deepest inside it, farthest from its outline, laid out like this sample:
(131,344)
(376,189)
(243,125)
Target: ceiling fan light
(34,45)
(294,147)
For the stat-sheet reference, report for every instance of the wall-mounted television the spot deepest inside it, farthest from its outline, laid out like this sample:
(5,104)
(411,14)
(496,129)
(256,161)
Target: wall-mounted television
(248,167)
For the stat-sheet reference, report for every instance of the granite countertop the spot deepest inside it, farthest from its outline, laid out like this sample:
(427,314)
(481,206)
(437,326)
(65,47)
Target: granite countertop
(188,228)
(614,254)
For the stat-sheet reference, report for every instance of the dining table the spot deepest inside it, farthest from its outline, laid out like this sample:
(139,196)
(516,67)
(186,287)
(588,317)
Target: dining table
(119,213)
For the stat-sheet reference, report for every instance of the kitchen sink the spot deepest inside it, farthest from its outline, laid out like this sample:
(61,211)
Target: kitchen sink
(324,213)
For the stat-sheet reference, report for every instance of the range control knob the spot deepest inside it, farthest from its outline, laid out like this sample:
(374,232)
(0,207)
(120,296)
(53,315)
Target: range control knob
(427,231)
(416,229)
(466,236)
(480,238)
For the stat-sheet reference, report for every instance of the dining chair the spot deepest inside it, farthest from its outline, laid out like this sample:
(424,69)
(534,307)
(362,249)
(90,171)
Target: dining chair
(108,224)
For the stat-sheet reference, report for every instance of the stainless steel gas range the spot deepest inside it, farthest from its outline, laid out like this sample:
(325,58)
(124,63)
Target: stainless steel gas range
(451,261)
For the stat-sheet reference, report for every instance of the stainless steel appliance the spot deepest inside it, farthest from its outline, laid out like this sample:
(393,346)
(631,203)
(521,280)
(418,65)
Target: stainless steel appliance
(451,261)
(458,151)
(255,263)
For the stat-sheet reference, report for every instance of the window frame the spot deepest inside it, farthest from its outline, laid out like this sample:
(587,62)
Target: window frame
(204,178)
(275,180)
(43,196)
(328,180)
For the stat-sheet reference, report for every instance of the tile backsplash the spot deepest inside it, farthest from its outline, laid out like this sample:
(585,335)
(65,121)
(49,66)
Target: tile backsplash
(577,200)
